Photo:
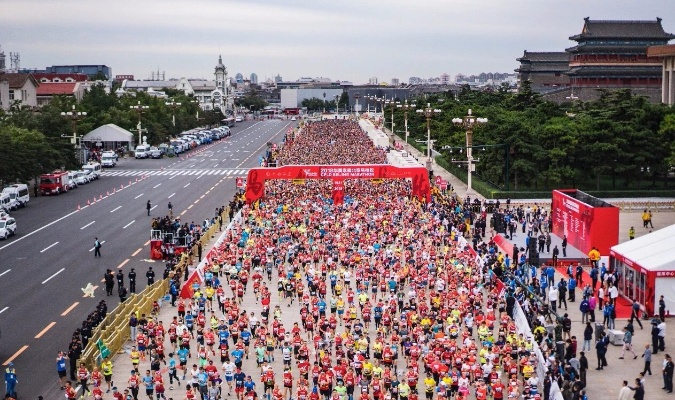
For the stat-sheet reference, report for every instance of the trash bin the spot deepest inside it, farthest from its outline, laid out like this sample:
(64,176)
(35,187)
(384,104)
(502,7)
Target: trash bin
(599,330)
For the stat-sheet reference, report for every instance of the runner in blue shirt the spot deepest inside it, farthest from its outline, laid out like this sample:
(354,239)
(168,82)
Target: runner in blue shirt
(237,355)
(183,355)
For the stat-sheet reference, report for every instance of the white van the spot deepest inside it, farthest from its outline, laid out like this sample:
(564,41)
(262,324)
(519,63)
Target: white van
(142,151)
(94,169)
(6,202)
(19,193)
(109,159)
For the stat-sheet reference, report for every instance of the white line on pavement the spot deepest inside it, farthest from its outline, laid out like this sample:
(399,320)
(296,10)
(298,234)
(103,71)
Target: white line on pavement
(171,195)
(49,247)
(58,272)
(116,209)
(5,272)
(87,225)
(186,185)
(156,186)
(138,196)
(38,230)
(153,207)
(3,310)
(127,225)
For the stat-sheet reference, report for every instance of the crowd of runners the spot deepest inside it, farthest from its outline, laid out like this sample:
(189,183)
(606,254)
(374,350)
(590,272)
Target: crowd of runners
(380,298)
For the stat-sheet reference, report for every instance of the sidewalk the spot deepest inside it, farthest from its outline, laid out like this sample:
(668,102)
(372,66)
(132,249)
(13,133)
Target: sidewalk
(459,187)
(605,384)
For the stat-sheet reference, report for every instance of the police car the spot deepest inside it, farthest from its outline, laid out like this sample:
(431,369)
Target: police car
(7,227)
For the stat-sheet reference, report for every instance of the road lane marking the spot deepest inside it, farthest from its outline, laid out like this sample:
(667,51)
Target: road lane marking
(191,205)
(153,207)
(3,310)
(157,185)
(49,247)
(186,185)
(173,176)
(69,309)
(116,209)
(171,195)
(87,225)
(136,252)
(5,272)
(42,332)
(147,243)
(202,196)
(211,188)
(15,355)
(138,196)
(215,165)
(184,211)
(127,225)
(123,264)
(92,249)
(58,272)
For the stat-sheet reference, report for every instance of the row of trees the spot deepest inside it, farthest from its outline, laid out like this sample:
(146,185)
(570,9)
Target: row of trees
(317,104)
(620,141)
(32,142)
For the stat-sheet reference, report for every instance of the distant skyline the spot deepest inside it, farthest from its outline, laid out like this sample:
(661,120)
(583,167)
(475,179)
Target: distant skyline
(346,40)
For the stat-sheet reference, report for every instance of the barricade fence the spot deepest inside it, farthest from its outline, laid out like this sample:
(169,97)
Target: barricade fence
(114,329)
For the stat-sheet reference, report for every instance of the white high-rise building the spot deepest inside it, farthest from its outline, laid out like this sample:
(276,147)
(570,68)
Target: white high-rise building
(254,78)
(372,81)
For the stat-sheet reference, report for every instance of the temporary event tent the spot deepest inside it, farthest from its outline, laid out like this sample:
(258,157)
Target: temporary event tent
(646,268)
(110,137)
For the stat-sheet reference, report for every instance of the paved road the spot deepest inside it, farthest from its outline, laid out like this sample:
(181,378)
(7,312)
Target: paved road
(44,266)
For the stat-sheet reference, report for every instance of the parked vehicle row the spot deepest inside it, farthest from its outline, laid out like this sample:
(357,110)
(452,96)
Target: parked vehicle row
(184,142)
(59,181)
(14,196)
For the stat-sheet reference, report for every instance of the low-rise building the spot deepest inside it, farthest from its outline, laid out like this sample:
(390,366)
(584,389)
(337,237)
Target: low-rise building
(19,87)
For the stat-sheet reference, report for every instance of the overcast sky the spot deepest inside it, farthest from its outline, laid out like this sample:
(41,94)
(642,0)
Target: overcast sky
(342,39)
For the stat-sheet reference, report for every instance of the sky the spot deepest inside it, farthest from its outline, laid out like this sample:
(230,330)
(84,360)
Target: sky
(349,40)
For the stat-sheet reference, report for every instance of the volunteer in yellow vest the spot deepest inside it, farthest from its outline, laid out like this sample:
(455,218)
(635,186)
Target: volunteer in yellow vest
(594,256)
(107,368)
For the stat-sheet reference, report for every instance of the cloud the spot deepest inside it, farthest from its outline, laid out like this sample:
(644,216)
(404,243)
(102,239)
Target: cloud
(348,39)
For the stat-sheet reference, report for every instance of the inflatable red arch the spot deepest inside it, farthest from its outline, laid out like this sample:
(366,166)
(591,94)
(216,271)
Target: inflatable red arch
(255,185)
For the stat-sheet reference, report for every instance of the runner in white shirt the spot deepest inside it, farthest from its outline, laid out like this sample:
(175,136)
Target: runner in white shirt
(228,371)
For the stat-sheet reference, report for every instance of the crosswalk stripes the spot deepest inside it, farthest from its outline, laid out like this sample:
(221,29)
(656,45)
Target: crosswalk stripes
(171,172)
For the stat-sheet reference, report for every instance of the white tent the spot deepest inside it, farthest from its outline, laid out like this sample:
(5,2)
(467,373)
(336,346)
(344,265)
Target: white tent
(110,135)
(653,252)
(647,268)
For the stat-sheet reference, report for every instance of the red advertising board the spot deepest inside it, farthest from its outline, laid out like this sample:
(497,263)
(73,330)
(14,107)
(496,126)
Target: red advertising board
(240,182)
(585,225)
(255,183)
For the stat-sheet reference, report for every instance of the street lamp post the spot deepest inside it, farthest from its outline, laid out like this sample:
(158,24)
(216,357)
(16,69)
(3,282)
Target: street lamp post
(357,96)
(324,102)
(429,112)
(140,109)
(381,101)
(337,106)
(173,105)
(393,104)
(469,123)
(74,116)
(406,107)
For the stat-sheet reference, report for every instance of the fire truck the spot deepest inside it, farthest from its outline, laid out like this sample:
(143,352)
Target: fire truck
(54,183)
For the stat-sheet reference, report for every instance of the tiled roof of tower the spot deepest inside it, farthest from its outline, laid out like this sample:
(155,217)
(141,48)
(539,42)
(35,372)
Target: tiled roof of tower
(547,56)
(596,29)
